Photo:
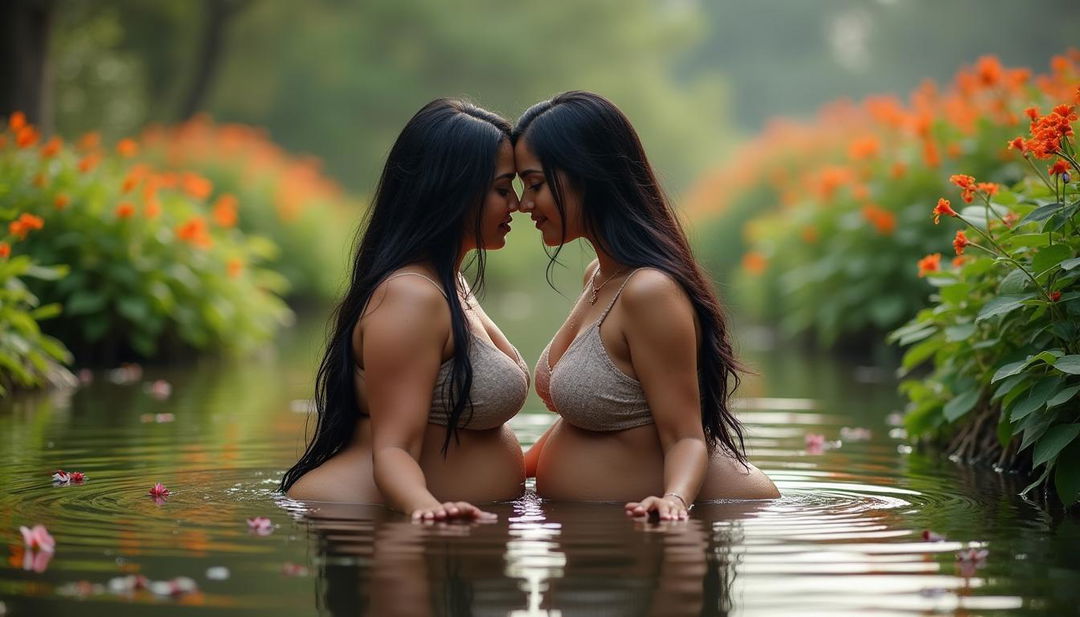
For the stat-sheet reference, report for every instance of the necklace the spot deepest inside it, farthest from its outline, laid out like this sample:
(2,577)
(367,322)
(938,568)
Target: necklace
(596,289)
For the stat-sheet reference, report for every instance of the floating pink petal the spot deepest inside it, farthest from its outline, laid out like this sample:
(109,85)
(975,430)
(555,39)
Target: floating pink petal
(857,433)
(178,586)
(38,537)
(158,491)
(160,389)
(86,376)
(126,374)
(930,536)
(37,561)
(63,478)
(973,555)
(292,569)
(261,525)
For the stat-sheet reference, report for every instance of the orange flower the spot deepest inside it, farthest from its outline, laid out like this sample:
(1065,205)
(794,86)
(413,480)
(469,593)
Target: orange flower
(754,263)
(1010,218)
(51,148)
(24,225)
(943,207)
(930,263)
(129,183)
(235,267)
(225,211)
(930,154)
(152,208)
(989,188)
(127,148)
(809,234)
(125,210)
(882,220)
(196,185)
(866,147)
(88,163)
(962,181)
(1060,167)
(899,168)
(989,70)
(5,250)
(194,232)
(959,260)
(90,141)
(1032,112)
(17,121)
(61,201)
(40,180)
(1018,144)
(26,136)
(960,241)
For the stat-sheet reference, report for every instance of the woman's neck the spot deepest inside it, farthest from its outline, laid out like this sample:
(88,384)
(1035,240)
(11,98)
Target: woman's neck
(608,266)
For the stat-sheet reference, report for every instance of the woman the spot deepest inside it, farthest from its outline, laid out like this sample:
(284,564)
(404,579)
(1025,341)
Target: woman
(417,383)
(642,370)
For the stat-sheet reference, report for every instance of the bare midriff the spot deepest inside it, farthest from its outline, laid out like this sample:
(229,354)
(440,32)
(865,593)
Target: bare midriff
(580,465)
(482,466)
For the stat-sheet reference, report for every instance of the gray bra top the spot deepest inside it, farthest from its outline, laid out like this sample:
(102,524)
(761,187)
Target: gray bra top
(587,389)
(499,387)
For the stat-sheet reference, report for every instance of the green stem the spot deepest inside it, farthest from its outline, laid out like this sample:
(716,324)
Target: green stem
(1003,253)
(1038,172)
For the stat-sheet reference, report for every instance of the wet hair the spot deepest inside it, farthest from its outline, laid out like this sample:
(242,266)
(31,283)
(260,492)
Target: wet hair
(431,188)
(585,141)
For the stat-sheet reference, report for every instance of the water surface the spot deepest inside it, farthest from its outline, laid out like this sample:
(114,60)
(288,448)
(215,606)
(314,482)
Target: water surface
(846,538)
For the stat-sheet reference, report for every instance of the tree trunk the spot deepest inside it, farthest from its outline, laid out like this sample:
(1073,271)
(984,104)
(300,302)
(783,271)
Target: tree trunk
(24,45)
(216,17)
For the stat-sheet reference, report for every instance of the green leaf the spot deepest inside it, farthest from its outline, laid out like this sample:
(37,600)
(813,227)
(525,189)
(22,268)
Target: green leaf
(1063,396)
(1009,370)
(1014,282)
(1042,212)
(1004,430)
(959,332)
(84,303)
(1035,399)
(1008,385)
(1054,442)
(957,293)
(1049,257)
(919,353)
(1068,364)
(1067,474)
(1002,305)
(1069,264)
(961,404)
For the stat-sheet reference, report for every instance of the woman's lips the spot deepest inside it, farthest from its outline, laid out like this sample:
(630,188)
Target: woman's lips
(539,222)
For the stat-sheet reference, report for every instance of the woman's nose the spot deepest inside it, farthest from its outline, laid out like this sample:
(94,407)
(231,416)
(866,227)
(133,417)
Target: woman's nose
(515,202)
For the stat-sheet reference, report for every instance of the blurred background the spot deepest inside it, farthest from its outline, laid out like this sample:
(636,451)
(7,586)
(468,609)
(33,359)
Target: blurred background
(288,109)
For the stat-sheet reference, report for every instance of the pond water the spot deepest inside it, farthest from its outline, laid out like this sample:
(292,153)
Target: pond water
(846,538)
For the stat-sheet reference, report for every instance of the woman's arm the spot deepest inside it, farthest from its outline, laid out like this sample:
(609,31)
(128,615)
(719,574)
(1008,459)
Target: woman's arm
(404,335)
(663,341)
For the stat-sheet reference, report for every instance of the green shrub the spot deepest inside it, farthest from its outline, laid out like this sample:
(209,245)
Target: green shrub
(1002,335)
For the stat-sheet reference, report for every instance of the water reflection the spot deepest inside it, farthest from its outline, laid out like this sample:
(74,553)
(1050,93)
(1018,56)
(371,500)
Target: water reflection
(546,559)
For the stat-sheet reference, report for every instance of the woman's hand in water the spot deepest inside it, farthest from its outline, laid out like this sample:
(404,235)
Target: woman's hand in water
(668,508)
(451,511)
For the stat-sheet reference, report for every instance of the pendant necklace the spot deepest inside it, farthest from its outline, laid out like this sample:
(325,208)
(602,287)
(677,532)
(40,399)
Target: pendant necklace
(596,289)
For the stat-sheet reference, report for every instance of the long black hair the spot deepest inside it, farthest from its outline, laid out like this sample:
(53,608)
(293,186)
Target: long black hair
(584,139)
(431,188)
